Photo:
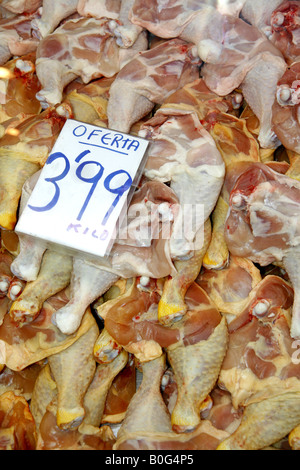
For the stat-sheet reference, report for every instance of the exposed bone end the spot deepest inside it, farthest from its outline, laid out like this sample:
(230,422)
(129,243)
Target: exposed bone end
(69,419)
(216,260)
(25,66)
(106,349)
(237,201)
(237,100)
(283,95)
(4,286)
(67,320)
(261,308)
(169,312)
(15,289)
(278,19)
(23,312)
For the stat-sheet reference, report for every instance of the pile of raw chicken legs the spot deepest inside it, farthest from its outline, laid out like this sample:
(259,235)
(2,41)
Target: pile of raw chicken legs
(189,341)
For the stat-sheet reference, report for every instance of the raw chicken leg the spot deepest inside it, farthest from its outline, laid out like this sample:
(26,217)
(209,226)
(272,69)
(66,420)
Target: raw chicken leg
(82,48)
(246,58)
(171,304)
(88,282)
(73,370)
(39,339)
(259,14)
(27,263)
(54,276)
(147,412)
(285,30)
(95,397)
(263,223)
(53,12)
(132,321)
(196,366)
(259,370)
(13,173)
(45,390)
(274,418)
(183,153)
(124,29)
(148,80)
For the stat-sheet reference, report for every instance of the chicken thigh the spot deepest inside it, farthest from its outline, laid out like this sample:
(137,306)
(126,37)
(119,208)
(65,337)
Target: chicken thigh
(82,48)
(259,370)
(263,223)
(16,36)
(148,80)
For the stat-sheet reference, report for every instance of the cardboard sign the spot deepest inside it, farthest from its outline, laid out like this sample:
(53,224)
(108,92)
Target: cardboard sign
(84,188)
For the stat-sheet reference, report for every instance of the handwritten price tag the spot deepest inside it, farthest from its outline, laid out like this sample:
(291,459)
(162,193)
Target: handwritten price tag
(84,188)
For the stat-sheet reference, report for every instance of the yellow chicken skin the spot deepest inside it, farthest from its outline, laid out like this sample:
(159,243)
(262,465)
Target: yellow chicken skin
(73,370)
(95,397)
(196,368)
(54,276)
(89,102)
(171,304)
(13,173)
(23,153)
(44,391)
(265,422)
(294,438)
(19,85)
(236,144)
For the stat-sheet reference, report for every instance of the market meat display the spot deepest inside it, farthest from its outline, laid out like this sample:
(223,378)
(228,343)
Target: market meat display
(177,339)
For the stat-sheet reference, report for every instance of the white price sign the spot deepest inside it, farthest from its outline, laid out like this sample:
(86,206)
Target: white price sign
(84,187)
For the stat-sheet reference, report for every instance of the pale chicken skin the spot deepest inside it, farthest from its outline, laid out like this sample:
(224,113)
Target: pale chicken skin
(181,340)
(82,47)
(53,12)
(285,111)
(285,30)
(263,223)
(99,8)
(148,80)
(182,153)
(16,36)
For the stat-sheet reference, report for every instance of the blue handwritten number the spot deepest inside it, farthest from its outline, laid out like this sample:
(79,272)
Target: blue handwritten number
(94,180)
(119,191)
(54,180)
